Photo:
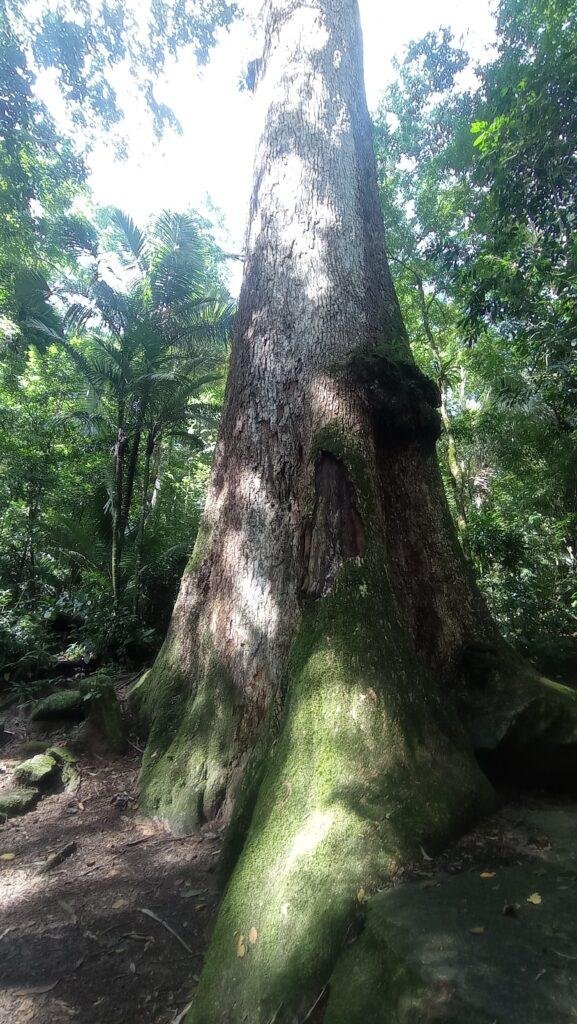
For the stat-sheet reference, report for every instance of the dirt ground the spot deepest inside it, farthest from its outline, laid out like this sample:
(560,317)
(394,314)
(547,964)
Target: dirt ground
(75,942)
(115,934)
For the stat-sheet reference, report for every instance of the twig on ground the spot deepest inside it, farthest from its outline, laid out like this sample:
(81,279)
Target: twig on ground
(180,1016)
(315,1004)
(56,858)
(150,913)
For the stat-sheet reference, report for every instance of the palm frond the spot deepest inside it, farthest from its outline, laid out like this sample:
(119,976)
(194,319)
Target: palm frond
(132,241)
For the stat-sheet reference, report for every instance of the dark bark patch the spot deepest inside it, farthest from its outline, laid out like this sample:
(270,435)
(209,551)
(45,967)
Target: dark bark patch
(402,399)
(335,531)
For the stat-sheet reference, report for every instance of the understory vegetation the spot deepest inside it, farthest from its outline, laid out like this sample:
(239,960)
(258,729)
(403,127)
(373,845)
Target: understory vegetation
(115,341)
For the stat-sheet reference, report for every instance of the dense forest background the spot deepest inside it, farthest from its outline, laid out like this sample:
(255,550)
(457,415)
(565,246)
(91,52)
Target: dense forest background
(115,336)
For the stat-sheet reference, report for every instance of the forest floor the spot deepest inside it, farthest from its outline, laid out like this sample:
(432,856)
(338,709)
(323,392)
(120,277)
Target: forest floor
(109,935)
(78,942)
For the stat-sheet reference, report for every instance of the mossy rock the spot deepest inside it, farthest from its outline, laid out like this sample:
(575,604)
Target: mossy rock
(448,954)
(105,711)
(36,770)
(17,801)
(63,704)
(66,762)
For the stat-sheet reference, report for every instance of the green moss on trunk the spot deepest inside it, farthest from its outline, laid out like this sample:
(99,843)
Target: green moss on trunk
(367,768)
(191,747)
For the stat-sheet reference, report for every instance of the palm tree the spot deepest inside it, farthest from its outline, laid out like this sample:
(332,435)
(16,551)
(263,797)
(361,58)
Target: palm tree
(147,351)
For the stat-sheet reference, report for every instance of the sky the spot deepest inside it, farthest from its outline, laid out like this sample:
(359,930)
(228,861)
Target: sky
(209,166)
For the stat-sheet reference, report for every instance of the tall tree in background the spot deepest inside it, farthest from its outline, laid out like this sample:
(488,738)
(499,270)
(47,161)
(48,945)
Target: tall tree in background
(331,668)
(40,177)
(152,348)
(478,190)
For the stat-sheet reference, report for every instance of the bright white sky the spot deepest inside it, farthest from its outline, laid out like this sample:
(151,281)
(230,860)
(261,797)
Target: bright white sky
(210,165)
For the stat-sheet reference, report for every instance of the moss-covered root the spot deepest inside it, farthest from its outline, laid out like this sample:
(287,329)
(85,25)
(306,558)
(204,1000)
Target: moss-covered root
(522,724)
(189,765)
(364,775)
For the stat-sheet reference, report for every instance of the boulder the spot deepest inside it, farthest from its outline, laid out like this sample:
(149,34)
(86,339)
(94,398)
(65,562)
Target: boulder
(479,947)
(62,704)
(36,770)
(66,763)
(16,801)
(105,712)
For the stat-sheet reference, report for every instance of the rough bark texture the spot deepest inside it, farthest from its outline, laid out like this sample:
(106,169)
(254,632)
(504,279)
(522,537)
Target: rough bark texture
(327,626)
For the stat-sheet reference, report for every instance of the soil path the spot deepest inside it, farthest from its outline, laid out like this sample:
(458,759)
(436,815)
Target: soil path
(75,944)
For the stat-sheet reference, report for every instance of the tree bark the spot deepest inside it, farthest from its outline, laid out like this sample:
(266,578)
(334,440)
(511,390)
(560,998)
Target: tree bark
(309,690)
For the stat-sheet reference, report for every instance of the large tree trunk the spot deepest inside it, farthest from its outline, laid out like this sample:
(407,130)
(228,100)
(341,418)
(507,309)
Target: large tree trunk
(309,689)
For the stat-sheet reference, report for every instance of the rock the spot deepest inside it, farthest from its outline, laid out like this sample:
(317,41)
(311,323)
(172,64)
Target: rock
(467,949)
(88,739)
(555,657)
(105,711)
(66,762)
(29,747)
(552,833)
(62,704)
(36,770)
(43,767)
(17,801)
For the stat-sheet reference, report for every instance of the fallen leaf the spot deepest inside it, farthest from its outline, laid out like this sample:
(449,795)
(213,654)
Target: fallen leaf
(487,874)
(187,894)
(80,805)
(252,936)
(39,990)
(119,904)
(240,946)
(69,910)
(535,899)
(180,1016)
(361,897)
(7,856)
(477,931)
